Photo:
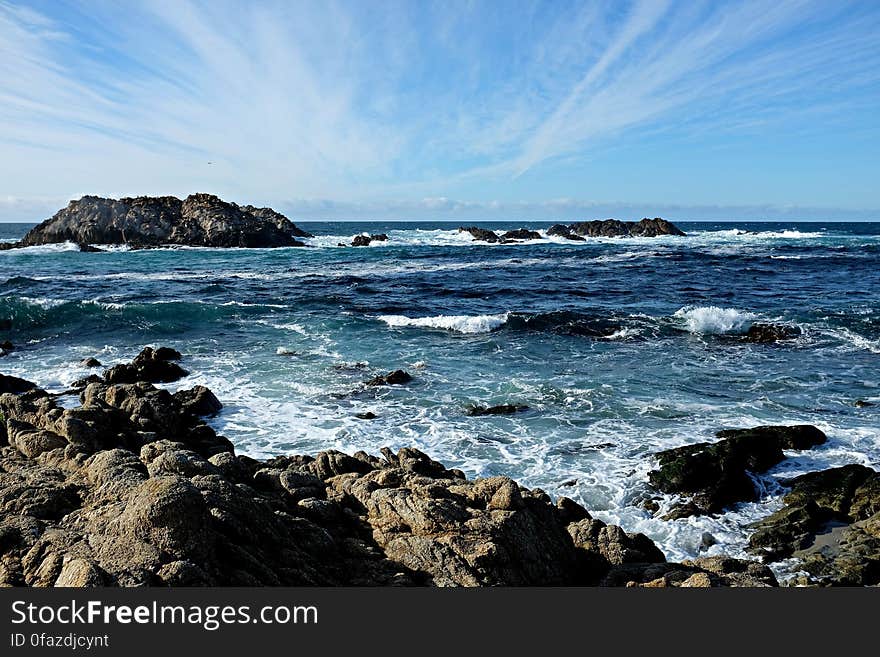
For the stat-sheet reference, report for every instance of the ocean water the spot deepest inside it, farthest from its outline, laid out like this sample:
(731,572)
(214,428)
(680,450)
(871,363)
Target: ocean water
(619,347)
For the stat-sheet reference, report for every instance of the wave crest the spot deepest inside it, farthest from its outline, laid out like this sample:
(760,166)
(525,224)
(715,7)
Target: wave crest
(714,320)
(457,323)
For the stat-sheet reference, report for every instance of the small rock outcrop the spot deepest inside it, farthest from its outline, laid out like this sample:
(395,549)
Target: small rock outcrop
(716,475)
(397,377)
(767,333)
(500,409)
(366,240)
(144,221)
(152,366)
(481,234)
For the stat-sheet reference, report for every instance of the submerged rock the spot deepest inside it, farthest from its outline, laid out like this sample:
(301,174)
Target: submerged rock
(764,333)
(198,220)
(716,475)
(501,409)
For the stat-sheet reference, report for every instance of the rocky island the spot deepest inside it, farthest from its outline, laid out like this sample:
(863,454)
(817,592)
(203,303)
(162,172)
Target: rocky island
(145,221)
(132,487)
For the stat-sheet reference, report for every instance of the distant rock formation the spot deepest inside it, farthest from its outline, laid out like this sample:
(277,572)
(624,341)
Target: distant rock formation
(578,231)
(144,221)
(614,228)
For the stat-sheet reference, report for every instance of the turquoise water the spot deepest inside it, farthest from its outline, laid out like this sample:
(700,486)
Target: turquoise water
(620,347)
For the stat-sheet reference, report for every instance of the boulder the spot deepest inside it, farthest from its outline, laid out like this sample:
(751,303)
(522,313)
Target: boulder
(198,401)
(397,377)
(90,362)
(152,366)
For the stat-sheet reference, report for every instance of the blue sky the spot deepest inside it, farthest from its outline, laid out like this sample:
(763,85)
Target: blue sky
(427,110)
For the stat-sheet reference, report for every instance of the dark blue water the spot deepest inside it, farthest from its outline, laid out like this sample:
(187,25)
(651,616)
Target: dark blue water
(619,347)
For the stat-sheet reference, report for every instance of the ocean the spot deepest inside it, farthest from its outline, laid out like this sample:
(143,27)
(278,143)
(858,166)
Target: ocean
(619,347)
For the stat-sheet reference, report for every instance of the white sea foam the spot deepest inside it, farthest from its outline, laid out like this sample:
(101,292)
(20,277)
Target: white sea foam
(457,323)
(713,320)
(623,334)
(853,339)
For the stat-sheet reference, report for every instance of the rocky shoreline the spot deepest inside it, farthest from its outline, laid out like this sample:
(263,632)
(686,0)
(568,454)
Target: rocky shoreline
(133,488)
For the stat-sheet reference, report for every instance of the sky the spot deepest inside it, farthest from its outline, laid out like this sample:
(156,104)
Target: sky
(447,110)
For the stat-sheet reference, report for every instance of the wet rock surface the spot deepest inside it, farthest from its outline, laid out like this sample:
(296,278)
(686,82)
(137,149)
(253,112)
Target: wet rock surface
(831,522)
(716,475)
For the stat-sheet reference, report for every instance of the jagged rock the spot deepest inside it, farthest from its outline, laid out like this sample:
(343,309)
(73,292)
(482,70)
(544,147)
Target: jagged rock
(88,248)
(153,366)
(716,475)
(615,545)
(501,409)
(614,228)
(397,377)
(561,230)
(198,401)
(199,220)
(521,234)
(480,234)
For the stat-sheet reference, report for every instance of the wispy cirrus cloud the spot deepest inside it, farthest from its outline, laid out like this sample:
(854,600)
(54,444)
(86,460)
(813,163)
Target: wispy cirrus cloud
(364,104)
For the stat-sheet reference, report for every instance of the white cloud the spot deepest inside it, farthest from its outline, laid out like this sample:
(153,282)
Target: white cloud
(350,102)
